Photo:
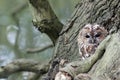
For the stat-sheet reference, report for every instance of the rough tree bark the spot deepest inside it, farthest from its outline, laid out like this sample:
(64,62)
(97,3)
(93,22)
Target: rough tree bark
(105,64)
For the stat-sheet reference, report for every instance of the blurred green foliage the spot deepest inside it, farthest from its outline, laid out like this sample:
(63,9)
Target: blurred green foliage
(17,33)
(63,8)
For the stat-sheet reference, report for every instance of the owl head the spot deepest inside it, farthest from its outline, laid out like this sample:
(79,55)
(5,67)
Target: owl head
(93,34)
(90,37)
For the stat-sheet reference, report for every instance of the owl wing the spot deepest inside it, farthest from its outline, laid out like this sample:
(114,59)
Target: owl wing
(80,46)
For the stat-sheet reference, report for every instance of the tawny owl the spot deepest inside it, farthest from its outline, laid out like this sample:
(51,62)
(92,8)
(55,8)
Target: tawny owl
(89,38)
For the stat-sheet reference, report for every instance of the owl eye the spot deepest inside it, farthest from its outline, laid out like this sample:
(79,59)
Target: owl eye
(87,36)
(98,35)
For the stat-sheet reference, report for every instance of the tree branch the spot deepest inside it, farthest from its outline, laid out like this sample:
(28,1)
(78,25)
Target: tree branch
(16,10)
(35,50)
(45,19)
(23,65)
(34,76)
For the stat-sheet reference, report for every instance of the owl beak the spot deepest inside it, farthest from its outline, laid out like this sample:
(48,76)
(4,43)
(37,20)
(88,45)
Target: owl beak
(92,41)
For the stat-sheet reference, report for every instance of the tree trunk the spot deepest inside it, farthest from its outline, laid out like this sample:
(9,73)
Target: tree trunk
(106,13)
(105,64)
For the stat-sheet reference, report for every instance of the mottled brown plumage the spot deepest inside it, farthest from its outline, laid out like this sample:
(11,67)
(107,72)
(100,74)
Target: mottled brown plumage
(89,38)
